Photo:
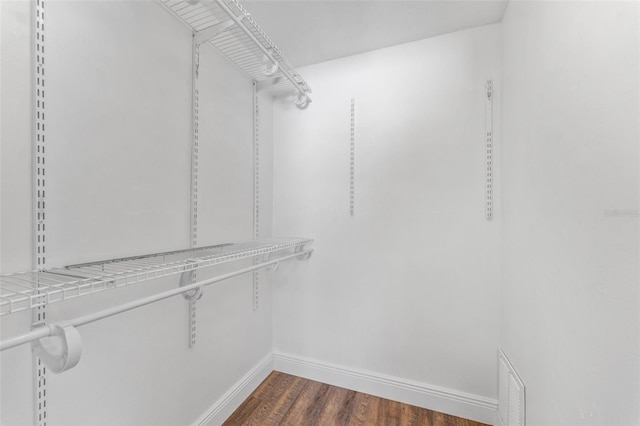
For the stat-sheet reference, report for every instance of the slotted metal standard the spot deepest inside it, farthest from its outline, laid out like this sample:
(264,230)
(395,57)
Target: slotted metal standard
(489,152)
(35,289)
(352,160)
(256,190)
(39,190)
(228,27)
(195,109)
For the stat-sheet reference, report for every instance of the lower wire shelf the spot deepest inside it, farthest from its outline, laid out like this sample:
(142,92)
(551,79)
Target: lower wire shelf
(27,290)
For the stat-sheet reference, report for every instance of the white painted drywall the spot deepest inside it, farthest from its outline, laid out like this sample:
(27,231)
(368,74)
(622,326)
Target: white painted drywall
(409,287)
(15,105)
(15,200)
(118,163)
(570,320)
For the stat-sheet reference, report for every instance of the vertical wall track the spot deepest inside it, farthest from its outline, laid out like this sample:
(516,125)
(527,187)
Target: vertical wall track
(352,158)
(256,190)
(39,315)
(489,152)
(195,106)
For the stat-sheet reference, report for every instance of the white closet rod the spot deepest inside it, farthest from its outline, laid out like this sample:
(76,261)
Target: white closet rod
(47,330)
(264,50)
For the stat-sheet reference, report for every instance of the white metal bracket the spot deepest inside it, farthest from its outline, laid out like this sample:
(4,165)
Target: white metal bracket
(213,31)
(489,151)
(270,66)
(274,267)
(303,256)
(187,278)
(264,84)
(62,350)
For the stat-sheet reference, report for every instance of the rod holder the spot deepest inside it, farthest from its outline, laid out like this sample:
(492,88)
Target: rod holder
(303,256)
(186,278)
(61,350)
(272,268)
(270,66)
(301,100)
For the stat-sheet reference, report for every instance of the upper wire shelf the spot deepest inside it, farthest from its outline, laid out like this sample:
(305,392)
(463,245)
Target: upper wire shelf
(22,291)
(227,26)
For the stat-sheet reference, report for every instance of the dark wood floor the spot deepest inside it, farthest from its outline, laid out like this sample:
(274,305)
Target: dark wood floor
(283,399)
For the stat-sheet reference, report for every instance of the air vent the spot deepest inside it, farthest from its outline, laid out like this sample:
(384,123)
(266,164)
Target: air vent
(511,396)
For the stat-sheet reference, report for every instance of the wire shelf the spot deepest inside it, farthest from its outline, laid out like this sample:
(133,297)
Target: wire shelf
(27,290)
(235,44)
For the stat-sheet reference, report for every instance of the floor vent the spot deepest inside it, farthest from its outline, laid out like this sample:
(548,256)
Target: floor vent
(511,402)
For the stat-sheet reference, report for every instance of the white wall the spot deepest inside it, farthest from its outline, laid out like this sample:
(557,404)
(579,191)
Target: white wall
(15,201)
(15,105)
(409,287)
(118,163)
(570,159)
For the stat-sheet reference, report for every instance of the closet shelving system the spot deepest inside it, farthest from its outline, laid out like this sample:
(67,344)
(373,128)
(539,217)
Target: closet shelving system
(230,29)
(227,26)
(28,290)
(38,289)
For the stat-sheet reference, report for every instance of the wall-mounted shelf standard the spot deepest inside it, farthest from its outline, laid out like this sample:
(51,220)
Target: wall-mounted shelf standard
(228,27)
(489,152)
(22,291)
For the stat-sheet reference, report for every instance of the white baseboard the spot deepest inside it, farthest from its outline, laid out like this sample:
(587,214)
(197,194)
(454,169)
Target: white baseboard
(227,404)
(435,398)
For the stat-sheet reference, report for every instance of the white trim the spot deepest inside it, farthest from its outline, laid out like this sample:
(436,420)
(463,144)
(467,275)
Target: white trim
(227,404)
(435,398)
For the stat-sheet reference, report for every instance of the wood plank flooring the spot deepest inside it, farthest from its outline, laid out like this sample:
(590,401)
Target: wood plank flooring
(283,399)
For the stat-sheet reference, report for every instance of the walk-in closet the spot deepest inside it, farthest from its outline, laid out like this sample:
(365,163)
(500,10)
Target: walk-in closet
(317,212)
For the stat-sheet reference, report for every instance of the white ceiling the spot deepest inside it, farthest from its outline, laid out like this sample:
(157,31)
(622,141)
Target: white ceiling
(312,31)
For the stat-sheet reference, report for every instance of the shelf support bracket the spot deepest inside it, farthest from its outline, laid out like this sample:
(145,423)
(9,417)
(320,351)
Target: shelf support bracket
(213,31)
(264,84)
(274,267)
(270,66)
(186,278)
(61,351)
(303,256)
